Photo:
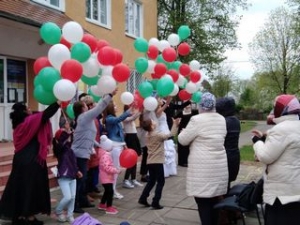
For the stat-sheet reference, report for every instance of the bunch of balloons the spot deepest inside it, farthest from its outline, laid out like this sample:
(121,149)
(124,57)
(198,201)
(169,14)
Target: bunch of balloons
(170,77)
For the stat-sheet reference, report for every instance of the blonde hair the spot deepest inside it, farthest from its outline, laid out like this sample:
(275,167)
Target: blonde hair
(88,100)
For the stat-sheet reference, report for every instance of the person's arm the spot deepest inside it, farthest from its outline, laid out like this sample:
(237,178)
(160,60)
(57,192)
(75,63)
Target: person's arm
(115,120)
(188,134)
(182,106)
(50,111)
(106,165)
(132,117)
(160,109)
(172,133)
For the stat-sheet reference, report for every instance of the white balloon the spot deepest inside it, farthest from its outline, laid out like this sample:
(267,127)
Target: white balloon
(106,84)
(107,70)
(151,65)
(194,65)
(167,76)
(175,90)
(96,91)
(127,98)
(174,39)
(180,80)
(58,54)
(163,44)
(64,90)
(154,41)
(72,32)
(91,67)
(150,103)
(191,87)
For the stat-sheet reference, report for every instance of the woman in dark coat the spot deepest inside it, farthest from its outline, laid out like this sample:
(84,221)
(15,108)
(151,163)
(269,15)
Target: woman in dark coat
(27,190)
(226,107)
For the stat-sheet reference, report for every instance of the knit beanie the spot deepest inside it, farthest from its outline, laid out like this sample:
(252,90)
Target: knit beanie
(286,105)
(208,102)
(106,143)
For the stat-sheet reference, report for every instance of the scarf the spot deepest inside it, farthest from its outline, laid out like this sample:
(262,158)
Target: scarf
(27,130)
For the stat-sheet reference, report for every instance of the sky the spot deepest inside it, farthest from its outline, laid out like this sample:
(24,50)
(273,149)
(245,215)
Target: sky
(253,19)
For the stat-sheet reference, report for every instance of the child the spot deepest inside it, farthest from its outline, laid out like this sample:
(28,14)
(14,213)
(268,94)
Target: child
(107,172)
(155,161)
(67,171)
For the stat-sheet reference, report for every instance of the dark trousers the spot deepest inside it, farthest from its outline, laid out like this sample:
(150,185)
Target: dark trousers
(81,194)
(144,167)
(208,215)
(92,179)
(183,154)
(278,214)
(107,197)
(130,172)
(156,176)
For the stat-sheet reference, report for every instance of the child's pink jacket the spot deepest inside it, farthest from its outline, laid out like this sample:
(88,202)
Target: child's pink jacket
(106,167)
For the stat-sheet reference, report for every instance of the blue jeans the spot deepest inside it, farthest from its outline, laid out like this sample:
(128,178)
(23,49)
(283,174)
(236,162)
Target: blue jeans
(68,189)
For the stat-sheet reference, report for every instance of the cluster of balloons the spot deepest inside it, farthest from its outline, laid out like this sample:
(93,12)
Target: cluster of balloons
(76,55)
(170,77)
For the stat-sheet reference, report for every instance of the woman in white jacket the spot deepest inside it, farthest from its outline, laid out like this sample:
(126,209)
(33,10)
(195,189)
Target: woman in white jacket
(207,173)
(279,150)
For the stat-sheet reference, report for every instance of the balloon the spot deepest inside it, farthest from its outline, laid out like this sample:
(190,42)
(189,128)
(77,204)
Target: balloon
(183,49)
(81,52)
(48,76)
(173,39)
(160,59)
(40,63)
(163,44)
(196,97)
(150,103)
(42,96)
(138,100)
(50,33)
(154,41)
(107,70)
(184,69)
(91,41)
(151,65)
(152,52)
(71,70)
(176,65)
(128,158)
(101,44)
(64,105)
(106,84)
(195,76)
(169,54)
(184,95)
(175,90)
(106,55)
(127,98)
(95,97)
(64,90)
(154,83)
(164,86)
(121,72)
(181,81)
(118,56)
(141,64)
(160,69)
(65,42)
(37,81)
(57,54)
(174,74)
(89,80)
(194,65)
(91,67)
(95,90)
(141,45)
(70,111)
(72,32)
(145,89)
(191,87)
(184,32)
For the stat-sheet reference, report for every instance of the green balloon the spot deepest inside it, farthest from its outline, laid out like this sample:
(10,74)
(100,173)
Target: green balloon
(90,80)
(50,33)
(175,65)
(184,32)
(42,96)
(196,97)
(36,81)
(141,64)
(70,111)
(141,45)
(81,52)
(160,59)
(164,86)
(48,76)
(95,97)
(154,83)
(145,89)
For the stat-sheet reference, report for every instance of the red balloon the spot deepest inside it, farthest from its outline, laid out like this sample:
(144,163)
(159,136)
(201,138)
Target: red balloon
(174,74)
(40,63)
(184,69)
(121,72)
(72,70)
(118,56)
(138,101)
(91,41)
(64,104)
(184,49)
(160,69)
(107,56)
(169,54)
(101,44)
(195,76)
(155,76)
(184,95)
(152,52)
(128,158)
(65,42)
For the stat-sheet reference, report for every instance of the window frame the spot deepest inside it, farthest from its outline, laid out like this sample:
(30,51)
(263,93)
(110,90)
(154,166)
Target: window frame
(108,14)
(47,3)
(127,20)
(134,81)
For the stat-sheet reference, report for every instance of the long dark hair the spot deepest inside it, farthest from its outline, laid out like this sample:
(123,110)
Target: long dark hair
(18,114)
(77,109)
(110,110)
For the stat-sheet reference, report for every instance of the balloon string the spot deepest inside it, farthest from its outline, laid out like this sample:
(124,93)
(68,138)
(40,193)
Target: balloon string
(64,114)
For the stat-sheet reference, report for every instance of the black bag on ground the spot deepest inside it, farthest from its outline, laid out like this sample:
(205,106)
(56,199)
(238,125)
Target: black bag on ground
(244,198)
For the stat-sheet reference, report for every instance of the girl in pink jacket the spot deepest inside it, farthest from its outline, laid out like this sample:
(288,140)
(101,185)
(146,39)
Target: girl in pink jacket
(107,172)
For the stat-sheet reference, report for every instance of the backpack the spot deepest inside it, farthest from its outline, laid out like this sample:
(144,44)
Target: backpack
(244,198)
(86,219)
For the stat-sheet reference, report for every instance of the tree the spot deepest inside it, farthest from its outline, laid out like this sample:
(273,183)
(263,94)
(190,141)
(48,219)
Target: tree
(275,52)
(212,23)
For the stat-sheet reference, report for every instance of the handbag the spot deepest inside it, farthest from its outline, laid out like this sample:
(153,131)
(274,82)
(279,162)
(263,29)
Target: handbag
(86,219)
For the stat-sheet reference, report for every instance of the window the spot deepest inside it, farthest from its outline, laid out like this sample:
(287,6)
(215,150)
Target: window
(134,80)
(56,4)
(133,18)
(99,11)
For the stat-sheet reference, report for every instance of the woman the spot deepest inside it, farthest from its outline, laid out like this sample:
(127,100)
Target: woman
(279,150)
(27,190)
(207,173)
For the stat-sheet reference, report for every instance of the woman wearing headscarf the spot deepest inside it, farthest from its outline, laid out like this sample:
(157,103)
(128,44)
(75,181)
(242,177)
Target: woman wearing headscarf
(207,173)
(279,150)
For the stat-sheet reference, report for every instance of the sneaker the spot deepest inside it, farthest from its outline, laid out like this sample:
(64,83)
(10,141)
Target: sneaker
(102,206)
(61,218)
(117,195)
(127,184)
(70,219)
(136,183)
(111,210)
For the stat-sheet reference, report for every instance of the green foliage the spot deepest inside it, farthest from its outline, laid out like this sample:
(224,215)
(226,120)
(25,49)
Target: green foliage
(247,153)
(247,125)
